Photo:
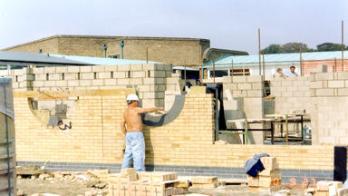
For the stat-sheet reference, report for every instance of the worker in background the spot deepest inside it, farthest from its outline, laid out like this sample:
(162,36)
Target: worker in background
(132,129)
(279,73)
(292,72)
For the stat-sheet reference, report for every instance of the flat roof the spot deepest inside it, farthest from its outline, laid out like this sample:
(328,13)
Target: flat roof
(253,60)
(16,58)
(110,37)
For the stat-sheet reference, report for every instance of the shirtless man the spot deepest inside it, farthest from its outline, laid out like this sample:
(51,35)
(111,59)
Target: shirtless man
(131,127)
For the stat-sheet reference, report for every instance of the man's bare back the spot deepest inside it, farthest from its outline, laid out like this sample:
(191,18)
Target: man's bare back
(132,121)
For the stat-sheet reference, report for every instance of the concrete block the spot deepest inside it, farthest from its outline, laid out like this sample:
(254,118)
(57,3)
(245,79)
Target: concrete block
(325,92)
(73,83)
(61,69)
(73,69)
(26,77)
(257,86)
(324,76)
(346,83)
(87,76)
(154,81)
(38,84)
(239,79)
(138,67)
(149,66)
(123,81)
(110,82)
(336,84)
(98,68)
(275,83)
(342,75)
(50,83)
(124,68)
(86,69)
(99,82)
(62,83)
(70,76)
(255,78)
(138,74)
(245,86)
(149,95)
(158,74)
(342,92)
(85,82)
(120,74)
(255,93)
(169,74)
(50,69)
(55,76)
(134,81)
(37,70)
(103,75)
(113,68)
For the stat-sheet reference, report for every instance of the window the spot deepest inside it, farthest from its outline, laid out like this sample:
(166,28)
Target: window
(218,73)
(240,72)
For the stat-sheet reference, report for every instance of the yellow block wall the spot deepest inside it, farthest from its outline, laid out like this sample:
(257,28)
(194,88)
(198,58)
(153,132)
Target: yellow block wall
(187,141)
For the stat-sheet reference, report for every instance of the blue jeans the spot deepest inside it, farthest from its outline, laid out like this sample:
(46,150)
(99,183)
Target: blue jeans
(135,151)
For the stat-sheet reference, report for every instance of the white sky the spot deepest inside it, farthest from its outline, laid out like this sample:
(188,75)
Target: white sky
(230,24)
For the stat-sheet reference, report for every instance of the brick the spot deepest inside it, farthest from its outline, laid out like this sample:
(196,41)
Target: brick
(73,69)
(149,67)
(61,69)
(324,76)
(136,67)
(138,74)
(70,76)
(255,78)
(73,83)
(110,82)
(124,81)
(342,92)
(104,75)
(86,69)
(239,79)
(54,76)
(62,83)
(120,74)
(245,86)
(99,82)
(98,68)
(342,75)
(325,92)
(85,82)
(87,76)
(336,84)
(124,68)
(255,93)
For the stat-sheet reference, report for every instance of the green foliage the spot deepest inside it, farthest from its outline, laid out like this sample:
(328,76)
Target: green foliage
(328,46)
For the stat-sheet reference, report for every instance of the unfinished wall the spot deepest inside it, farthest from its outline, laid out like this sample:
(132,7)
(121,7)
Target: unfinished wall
(185,145)
(243,100)
(329,93)
(149,79)
(291,94)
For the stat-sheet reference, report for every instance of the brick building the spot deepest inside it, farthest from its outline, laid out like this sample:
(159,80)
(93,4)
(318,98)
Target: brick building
(168,50)
(305,63)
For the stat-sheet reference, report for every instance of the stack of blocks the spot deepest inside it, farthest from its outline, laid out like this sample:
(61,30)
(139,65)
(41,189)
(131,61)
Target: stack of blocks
(330,188)
(131,183)
(270,176)
(204,181)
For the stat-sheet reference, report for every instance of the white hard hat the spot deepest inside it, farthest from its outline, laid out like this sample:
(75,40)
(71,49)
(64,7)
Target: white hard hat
(132,97)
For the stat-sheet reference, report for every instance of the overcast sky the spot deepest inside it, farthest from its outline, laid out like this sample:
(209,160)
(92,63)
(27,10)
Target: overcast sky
(230,24)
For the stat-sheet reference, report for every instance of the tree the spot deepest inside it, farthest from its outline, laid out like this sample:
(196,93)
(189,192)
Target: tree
(292,47)
(272,49)
(328,46)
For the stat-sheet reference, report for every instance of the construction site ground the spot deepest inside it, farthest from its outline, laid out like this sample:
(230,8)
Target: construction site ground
(66,184)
